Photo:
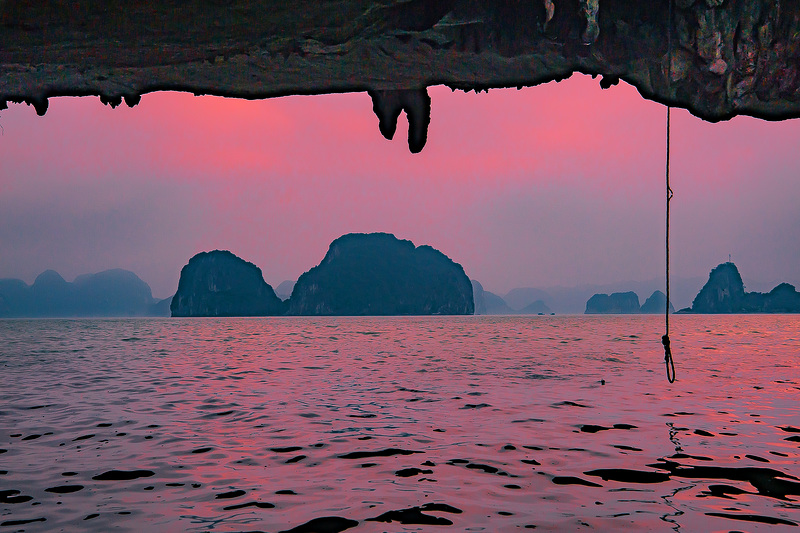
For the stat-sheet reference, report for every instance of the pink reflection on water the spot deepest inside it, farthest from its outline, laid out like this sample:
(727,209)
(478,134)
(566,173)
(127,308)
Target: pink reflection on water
(555,422)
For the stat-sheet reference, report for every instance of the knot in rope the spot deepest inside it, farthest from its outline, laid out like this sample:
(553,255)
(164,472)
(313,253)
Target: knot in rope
(668,359)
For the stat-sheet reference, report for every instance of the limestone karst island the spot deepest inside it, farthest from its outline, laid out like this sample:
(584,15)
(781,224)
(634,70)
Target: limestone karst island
(362,274)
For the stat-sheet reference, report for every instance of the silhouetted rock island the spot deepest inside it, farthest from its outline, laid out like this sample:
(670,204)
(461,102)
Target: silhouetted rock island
(617,303)
(656,303)
(724,293)
(220,284)
(627,303)
(379,274)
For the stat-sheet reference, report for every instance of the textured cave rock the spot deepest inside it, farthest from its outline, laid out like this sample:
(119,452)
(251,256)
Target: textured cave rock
(727,57)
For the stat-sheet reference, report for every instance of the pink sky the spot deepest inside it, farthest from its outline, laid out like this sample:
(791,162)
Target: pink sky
(560,184)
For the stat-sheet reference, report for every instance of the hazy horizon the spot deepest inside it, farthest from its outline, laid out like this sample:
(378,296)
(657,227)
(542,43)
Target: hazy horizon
(683,289)
(557,185)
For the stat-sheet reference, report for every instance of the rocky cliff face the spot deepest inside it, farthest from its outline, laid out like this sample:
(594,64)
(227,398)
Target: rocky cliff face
(378,274)
(220,284)
(716,58)
(616,303)
(724,293)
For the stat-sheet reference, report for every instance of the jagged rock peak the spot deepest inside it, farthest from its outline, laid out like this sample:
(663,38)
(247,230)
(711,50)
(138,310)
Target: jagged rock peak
(722,293)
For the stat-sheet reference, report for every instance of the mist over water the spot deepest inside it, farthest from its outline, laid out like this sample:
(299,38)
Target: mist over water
(435,423)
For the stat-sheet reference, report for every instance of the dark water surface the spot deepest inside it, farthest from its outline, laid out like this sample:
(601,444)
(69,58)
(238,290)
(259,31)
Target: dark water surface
(400,424)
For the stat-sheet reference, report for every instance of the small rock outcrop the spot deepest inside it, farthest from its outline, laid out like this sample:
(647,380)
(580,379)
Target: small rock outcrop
(379,274)
(218,284)
(656,304)
(724,293)
(616,303)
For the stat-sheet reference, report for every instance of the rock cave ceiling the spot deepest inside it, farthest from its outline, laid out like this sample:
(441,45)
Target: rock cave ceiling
(716,58)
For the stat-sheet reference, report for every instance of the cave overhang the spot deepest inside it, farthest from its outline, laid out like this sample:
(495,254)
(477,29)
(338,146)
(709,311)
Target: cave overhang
(716,58)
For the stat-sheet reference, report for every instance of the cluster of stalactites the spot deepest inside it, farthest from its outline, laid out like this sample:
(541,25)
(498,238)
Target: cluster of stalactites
(417,104)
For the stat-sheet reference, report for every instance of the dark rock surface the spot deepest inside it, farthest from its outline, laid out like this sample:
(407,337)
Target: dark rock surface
(724,293)
(616,303)
(114,292)
(656,304)
(220,284)
(726,57)
(378,274)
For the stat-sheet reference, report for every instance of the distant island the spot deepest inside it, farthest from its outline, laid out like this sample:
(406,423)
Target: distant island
(219,284)
(362,274)
(627,303)
(109,293)
(284,289)
(488,303)
(724,293)
(379,274)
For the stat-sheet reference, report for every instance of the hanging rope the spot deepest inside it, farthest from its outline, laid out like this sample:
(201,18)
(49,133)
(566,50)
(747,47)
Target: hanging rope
(670,364)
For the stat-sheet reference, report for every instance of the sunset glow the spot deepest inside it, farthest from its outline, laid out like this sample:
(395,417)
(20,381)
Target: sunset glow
(560,184)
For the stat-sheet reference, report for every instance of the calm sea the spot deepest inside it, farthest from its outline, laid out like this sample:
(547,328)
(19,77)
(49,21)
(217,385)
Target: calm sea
(553,423)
